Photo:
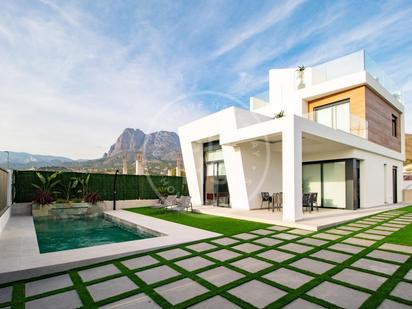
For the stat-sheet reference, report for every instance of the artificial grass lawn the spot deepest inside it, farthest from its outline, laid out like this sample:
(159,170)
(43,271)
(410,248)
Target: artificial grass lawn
(404,235)
(240,226)
(222,225)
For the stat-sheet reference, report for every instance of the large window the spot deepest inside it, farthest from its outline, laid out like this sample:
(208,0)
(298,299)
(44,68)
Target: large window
(335,115)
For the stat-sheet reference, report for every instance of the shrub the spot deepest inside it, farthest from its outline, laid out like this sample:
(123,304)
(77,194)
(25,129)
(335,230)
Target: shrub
(92,198)
(43,198)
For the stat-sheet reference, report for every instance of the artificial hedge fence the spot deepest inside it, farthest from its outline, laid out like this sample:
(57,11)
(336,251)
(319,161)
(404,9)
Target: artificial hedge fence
(129,187)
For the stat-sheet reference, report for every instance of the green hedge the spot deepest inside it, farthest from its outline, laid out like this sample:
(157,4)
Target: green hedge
(129,187)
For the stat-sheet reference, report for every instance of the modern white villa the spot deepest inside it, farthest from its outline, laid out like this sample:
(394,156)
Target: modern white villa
(336,129)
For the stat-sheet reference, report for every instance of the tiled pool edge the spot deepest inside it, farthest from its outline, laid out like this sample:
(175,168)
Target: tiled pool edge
(26,263)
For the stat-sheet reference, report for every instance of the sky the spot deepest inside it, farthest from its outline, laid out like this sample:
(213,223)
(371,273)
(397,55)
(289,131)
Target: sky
(75,74)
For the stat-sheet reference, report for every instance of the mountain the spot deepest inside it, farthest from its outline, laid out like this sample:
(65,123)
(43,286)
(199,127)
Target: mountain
(24,160)
(160,151)
(162,145)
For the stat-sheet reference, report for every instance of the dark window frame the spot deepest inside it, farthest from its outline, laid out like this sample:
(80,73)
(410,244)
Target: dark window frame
(394,125)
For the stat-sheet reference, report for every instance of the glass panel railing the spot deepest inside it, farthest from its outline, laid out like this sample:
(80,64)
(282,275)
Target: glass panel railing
(356,126)
(259,100)
(379,74)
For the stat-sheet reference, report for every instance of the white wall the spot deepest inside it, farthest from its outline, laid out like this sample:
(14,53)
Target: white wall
(262,168)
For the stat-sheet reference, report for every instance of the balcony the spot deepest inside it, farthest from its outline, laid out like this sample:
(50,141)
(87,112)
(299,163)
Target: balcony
(353,63)
(350,123)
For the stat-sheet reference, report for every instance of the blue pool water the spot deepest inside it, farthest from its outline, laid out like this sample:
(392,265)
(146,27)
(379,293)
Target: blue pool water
(59,235)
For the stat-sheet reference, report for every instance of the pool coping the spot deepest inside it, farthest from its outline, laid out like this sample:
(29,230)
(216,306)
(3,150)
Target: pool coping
(21,258)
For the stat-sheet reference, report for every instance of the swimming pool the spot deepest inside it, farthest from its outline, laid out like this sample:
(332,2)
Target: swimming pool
(66,234)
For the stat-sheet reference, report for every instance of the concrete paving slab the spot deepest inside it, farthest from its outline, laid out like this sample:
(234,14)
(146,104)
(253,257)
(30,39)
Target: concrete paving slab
(140,262)
(379,232)
(339,232)
(245,236)
(276,255)
(48,284)
(403,290)
(312,241)
(302,304)
(223,255)
(285,236)
(339,295)
(331,256)
(313,266)
(251,265)
(157,274)
(194,263)
(350,228)
(267,241)
(385,228)
(359,242)
(64,300)
(360,278)
(376,266)
(203,246)
(408,276)
(262,232)
(180,291)
(287,277)
(297,248)
(111,288)
(398,248)
(173,254)
(217,302)
(5,294)
(327,236)
(98,272)
(225,241)
(389,256)
(262,295)
(278,228)
(390,304)
(247,247)
(139,301)
(346,248)
(300,232)
(370,236)
(220,276)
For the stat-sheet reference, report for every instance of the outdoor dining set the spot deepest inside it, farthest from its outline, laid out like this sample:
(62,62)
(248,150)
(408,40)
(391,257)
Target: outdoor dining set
(275,201)
(172,202)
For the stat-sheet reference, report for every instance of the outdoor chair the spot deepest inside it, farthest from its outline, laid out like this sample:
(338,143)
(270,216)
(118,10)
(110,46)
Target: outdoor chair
(166,202)
(266,197)
(314,200)
(306,200)
(183,204)
(277,201)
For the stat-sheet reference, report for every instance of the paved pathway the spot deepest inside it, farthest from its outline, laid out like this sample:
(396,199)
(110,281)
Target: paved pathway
(349,266)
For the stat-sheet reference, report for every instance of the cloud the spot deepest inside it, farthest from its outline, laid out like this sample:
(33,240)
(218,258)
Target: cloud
(257,25)
(69,90)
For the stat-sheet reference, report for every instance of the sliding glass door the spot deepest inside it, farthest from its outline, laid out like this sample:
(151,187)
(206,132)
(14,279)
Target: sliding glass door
(336,182)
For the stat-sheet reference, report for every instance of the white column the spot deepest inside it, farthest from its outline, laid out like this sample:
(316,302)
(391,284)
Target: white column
(292,170)
(9,186)
(139,164)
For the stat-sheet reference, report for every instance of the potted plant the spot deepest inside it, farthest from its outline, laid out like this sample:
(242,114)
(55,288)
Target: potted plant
(67,189)
(279,115)
(301,76)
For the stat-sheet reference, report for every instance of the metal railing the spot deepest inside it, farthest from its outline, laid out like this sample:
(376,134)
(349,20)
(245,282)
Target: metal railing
(355,125)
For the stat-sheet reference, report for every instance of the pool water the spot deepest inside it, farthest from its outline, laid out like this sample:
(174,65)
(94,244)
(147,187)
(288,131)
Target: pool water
(59,235)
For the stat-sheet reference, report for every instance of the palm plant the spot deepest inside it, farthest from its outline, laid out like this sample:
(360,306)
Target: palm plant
(83,181)
(66,189)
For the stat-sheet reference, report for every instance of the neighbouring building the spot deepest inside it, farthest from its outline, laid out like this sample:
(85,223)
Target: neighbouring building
(336,129)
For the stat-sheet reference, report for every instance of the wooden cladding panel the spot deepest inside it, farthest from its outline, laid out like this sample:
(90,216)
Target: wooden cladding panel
(379,116)
(355,95)
(366,104)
